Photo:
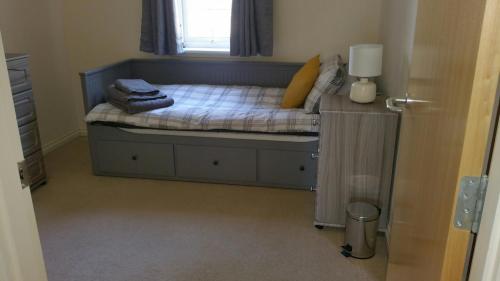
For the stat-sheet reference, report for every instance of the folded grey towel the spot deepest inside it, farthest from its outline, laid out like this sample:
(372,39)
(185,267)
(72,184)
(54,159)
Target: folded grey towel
(115,94)
(136,86)
(142,106)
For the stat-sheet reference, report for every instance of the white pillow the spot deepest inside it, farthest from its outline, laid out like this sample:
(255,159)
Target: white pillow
(330,80)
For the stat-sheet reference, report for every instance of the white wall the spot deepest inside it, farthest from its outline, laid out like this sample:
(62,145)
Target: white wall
(35,27)
(99,32)
(397,32)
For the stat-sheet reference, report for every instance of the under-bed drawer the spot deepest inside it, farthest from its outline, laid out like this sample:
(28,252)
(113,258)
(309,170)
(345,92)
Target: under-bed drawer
(287,168)
(142,159)
(216,163)
(30,138)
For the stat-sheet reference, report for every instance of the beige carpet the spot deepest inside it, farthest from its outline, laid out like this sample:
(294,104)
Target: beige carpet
(115,229)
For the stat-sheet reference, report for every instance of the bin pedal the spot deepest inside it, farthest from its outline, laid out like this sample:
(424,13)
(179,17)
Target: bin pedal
(346,254)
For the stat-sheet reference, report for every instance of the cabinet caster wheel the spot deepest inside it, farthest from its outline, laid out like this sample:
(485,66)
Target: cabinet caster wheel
(320,227)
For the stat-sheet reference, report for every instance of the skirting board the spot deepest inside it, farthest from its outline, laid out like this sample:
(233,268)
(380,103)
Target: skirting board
(53,145)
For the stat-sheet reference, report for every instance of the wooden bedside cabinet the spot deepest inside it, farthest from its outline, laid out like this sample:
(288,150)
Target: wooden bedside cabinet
(357,148)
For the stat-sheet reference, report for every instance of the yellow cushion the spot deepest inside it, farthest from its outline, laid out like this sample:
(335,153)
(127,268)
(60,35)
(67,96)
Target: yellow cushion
(301,84)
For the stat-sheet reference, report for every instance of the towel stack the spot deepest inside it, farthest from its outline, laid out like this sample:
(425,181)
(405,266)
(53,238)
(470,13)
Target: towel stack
(136,95)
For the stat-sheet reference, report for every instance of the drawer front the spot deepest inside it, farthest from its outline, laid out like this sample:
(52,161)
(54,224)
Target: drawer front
(155,159)
(147,159)
(36,168)
(19,75)
(25,108)
(30,138)
(216,163)
(288,168)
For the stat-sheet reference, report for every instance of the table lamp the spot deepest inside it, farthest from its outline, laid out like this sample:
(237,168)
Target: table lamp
(365,61)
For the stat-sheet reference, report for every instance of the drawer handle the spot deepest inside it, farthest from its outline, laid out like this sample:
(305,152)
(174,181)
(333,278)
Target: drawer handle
(302,168)
(135,157)
(315,155)
(216,163)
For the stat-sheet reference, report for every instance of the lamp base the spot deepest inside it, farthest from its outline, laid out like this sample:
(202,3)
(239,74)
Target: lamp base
(363,91)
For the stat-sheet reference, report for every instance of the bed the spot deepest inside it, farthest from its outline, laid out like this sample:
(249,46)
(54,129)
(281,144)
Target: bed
(226,125)
(216,107)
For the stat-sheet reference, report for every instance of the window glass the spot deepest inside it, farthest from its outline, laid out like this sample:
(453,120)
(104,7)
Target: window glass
(205,24)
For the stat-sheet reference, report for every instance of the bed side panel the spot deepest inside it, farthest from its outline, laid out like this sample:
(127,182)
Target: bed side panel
(95,82)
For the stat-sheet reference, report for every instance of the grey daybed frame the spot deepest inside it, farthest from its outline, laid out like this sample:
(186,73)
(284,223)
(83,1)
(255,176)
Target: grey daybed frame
(115,151)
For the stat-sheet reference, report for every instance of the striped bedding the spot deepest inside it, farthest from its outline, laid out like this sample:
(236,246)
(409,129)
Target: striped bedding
(208,107)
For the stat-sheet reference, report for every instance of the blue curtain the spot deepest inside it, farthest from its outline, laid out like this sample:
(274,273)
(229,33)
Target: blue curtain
(158,32)
(252,28)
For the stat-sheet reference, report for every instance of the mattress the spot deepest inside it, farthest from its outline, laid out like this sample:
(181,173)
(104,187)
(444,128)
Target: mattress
(209,107)
(224,135)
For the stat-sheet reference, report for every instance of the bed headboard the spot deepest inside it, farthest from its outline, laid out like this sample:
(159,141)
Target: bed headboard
(186,71)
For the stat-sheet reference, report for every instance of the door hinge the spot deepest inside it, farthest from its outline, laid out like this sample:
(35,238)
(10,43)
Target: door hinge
(470,203)
(24,175)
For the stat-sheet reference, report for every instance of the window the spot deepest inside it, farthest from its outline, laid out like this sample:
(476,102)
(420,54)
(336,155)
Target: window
(204,25)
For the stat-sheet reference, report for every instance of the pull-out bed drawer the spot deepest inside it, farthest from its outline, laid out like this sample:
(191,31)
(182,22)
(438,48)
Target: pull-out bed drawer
(127,158)
(204,157)
(216,163)
(287,168)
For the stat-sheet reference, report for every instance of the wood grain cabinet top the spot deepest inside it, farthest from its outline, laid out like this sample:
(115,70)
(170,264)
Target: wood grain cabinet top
(342,104)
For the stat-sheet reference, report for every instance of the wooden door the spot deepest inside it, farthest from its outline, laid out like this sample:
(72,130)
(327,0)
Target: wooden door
(20,252)
(444,133)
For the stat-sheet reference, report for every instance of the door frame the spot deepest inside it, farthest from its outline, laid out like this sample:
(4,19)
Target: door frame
(476,139)
(21,256)
(486,256)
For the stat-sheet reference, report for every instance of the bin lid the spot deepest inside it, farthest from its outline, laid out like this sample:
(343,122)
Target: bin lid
(362,211)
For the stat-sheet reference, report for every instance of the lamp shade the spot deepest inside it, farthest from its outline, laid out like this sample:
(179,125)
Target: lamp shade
(365,60)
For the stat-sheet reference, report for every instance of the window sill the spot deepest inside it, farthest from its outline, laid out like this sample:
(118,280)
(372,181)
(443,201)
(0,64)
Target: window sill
(205,52)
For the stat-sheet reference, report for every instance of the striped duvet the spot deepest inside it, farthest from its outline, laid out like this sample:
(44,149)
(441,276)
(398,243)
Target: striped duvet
(207,107)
